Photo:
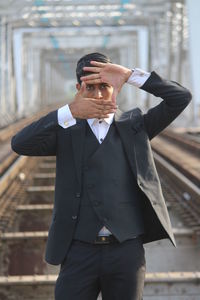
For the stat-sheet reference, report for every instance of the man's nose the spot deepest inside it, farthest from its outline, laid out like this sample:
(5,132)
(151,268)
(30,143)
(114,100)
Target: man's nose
(98,94)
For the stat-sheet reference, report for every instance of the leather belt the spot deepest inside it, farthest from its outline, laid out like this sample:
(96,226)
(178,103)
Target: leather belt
(105,239)
(102,240)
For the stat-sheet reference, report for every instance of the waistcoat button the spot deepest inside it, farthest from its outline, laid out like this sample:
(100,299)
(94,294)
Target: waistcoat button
(78,195)
(141,184)
(74,217)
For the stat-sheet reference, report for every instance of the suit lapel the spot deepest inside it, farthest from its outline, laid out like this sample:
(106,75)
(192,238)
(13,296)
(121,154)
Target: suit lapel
(126,132)
(78,135)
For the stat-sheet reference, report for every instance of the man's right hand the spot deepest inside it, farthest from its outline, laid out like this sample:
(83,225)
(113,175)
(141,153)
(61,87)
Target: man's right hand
(113,74)
(87,108)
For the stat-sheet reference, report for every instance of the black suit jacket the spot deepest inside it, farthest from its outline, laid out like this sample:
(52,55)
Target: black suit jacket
(46,137)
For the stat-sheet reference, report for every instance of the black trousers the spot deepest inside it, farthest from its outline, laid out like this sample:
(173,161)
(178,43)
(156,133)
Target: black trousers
(117,270)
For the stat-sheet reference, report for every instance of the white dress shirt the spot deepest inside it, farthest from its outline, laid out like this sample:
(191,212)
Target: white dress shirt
(100,127)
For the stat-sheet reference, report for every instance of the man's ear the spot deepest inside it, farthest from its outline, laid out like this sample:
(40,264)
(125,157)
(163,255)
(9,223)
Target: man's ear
(78,86)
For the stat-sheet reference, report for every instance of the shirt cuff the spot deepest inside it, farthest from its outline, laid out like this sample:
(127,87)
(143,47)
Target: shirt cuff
(138,77)
(65,118)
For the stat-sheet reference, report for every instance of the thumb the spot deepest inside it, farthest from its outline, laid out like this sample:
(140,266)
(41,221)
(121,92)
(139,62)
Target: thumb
(83,86)
(114,96)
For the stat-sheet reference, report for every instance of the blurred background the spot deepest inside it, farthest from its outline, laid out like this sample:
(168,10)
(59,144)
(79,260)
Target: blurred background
(40,43)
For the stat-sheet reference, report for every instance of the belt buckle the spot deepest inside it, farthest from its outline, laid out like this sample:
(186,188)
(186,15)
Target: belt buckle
(102,240)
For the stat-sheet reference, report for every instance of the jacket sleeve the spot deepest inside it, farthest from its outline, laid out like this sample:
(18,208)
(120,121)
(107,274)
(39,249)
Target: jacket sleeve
(175,99)
(38,138)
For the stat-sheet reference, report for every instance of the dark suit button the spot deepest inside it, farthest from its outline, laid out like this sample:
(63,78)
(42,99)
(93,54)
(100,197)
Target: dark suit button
(74,217)
(78,195)
(105,219)
(96,203)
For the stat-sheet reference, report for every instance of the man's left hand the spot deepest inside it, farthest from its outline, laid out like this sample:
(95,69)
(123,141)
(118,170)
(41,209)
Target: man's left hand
(113,74)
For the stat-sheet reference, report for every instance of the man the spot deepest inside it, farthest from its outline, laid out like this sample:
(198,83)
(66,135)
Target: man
(108,198)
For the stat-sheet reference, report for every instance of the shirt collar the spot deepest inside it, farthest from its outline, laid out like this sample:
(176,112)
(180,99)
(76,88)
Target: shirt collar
(108,120)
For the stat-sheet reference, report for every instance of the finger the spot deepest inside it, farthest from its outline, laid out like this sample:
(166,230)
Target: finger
(104,116)
(101,104)
(100,101)
(106,110)
(110,107)
(113,106)
(100,116)
(91,76)
(109,111)
(98,64)
(92,69)
(83,87)
(93,81)
(114,96)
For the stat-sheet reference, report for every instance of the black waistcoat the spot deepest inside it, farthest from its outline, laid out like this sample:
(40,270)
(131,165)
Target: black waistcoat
(110,194)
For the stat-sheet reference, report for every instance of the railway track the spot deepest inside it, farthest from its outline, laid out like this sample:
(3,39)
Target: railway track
(181,152)
(187,139)
(26,202)
(7,156)
(192,134)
